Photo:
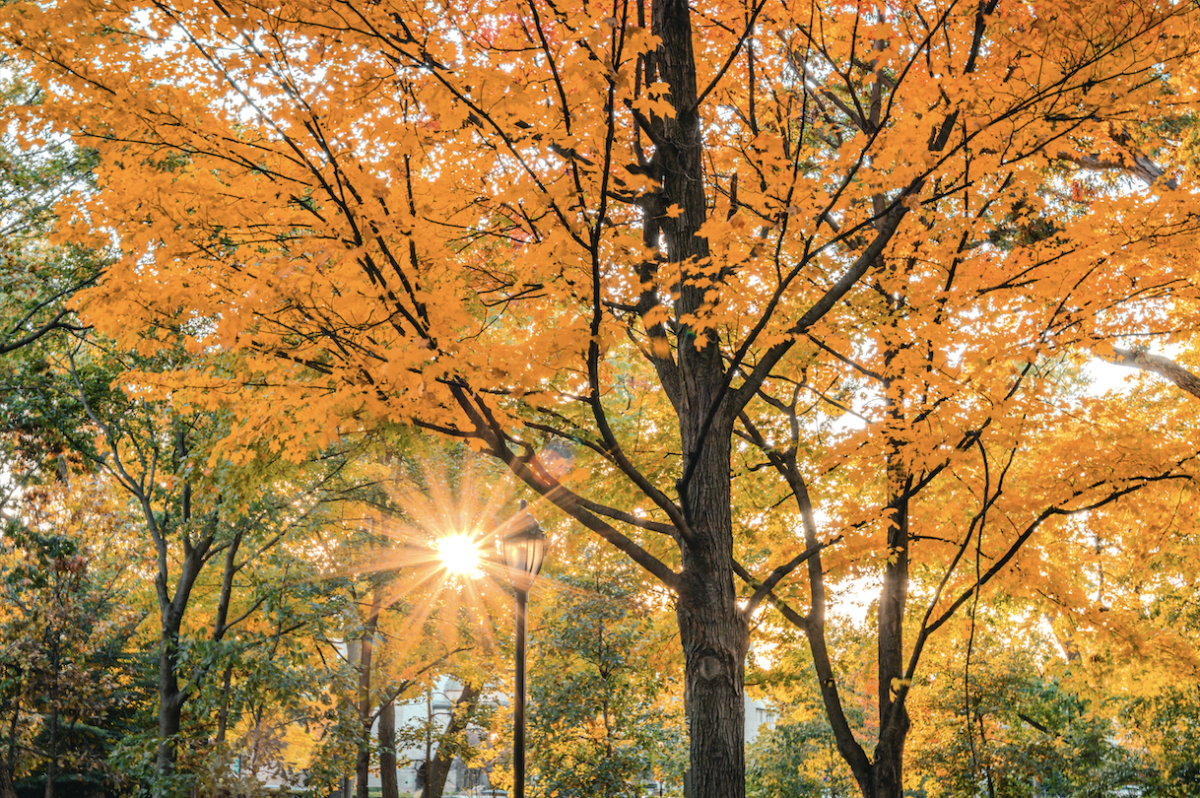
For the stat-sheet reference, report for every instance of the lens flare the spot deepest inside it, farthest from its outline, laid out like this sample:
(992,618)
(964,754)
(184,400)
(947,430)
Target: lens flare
(459,555)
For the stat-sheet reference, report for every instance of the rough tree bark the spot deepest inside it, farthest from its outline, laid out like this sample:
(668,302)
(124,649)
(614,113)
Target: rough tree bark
(888,765)
(713,632)
(707,391)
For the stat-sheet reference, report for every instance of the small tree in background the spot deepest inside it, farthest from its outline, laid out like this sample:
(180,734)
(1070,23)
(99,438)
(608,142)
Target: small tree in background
(605,712)
(69,591)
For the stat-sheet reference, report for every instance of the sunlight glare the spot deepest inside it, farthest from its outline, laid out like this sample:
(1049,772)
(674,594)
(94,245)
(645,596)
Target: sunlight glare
(459,555)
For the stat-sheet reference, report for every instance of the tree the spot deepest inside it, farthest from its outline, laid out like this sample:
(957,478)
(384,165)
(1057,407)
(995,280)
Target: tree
(797,757)
(1166,727)
(71,611)
(678,240)
(797,754)
(1155,708)
(200,513)
(601,721)
(1014,723)
(236,586)
(155,456)
(454,739)
(267,707)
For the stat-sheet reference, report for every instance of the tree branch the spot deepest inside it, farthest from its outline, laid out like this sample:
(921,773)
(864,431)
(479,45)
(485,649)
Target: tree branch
(1162,366)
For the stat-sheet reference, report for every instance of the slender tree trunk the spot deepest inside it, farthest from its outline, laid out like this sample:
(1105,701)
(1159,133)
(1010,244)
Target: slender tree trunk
(52,764)
(11,756)
(220,628)
(170,702)
(171,609)
(55,653)
(439,770)
(428,764)
(888,769)
(170,697)
(353,656)
(387,750)
(362,768)
(223,712)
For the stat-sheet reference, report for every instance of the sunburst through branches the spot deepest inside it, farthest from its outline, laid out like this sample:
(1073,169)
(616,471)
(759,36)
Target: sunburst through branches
(435,552)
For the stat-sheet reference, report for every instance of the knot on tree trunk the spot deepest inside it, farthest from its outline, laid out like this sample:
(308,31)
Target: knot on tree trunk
(710,667)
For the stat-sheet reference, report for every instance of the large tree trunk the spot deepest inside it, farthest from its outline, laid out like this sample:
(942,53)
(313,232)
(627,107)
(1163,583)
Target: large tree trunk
(387,750)
(714,645)
(713,632)
(714,635)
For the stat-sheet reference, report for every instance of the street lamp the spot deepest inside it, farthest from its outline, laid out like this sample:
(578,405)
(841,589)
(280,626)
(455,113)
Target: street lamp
(524,548)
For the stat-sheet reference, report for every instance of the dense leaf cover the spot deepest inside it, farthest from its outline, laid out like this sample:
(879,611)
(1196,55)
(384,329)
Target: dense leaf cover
(791,288)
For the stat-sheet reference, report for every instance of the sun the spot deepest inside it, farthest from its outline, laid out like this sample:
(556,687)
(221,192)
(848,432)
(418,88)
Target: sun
(459,555)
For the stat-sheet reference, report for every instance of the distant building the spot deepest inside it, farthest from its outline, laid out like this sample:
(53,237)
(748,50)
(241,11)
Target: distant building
(758,714)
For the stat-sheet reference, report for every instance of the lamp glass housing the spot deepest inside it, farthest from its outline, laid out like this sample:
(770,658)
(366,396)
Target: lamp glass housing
(524,548)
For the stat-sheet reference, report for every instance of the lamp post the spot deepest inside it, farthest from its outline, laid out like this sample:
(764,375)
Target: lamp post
(524,548)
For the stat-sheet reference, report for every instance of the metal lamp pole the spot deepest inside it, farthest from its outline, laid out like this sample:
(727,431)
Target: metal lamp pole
(519,701)
(524,547)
